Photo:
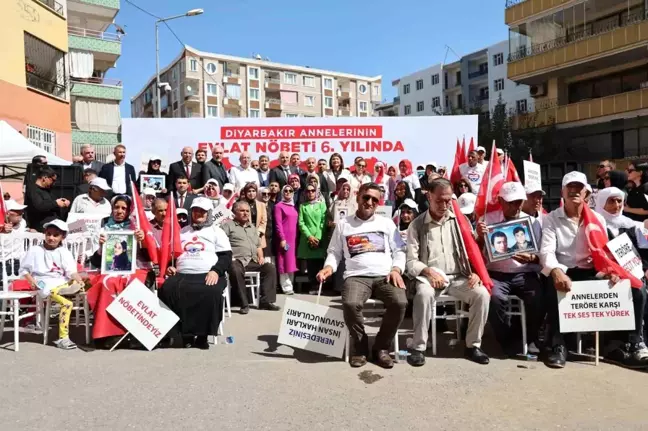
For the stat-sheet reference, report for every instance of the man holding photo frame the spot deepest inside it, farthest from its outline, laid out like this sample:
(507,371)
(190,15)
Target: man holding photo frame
(518,272)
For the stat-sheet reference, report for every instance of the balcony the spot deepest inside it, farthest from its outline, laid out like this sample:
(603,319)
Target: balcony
(110,4)
(343,93)
(517,10)
(55,6)
(95,41)
(99,135)
(478,73)
(273,104)
(344,111)
(46,86)
(96,88)
(45,69)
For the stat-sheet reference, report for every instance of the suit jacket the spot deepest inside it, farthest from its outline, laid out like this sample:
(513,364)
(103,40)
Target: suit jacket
(262,221)
(265,183)
(277,174)
(107,174)
(187,201)
(96,165)
(210,170)
(195,178)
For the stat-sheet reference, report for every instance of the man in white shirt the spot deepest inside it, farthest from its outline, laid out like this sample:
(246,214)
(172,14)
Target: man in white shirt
(93,202)
(518,275)
(481,156)
(12,249)
(373,253)
(243,174)
(473,171)
(438,261)
(533,203)
(119,174)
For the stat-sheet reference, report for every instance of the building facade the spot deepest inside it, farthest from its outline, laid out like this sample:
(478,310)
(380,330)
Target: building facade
(472,84)
(587,66)
(203,84)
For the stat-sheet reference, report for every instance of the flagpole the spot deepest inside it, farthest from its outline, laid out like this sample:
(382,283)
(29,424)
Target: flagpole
(172,204)
(488,188)
(136,208)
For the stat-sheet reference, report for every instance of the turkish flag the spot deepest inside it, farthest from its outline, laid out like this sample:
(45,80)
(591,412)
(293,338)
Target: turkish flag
(511,172)
(171,246)
(489,188)
(143,223)
(455,175)
(597,240)
(475,256)
(471,147)
(463,157)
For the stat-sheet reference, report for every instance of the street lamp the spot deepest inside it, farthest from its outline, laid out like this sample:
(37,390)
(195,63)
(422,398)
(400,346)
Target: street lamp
(192,12)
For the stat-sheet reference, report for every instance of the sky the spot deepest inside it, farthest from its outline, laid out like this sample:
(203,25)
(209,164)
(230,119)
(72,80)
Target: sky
(366,37)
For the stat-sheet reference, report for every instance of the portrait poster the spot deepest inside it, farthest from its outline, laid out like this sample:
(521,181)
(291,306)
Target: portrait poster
(504,240)
(118,253)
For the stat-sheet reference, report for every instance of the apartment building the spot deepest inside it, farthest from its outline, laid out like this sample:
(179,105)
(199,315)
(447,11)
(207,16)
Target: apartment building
(473,84)
(94,47)
(587,66)
(203,84)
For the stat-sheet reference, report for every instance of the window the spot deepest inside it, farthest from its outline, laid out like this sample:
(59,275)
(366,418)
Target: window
(176,95)
(182,67)
(289,97)
(254,113)
(363,106)
(406,89)
(436,102)
(212,89)
(308,81)
(309,100)
(174,74)
(212,111)
(521,106)
(435,79)
(292,115)
(408,109)
(499,84)
(232,91)
(419,84)
(328,83)
(254,73)
(362,88)
(460,101)
(290,78)
(193,65)
(42,138)
(211,68)
(376,90)
(420,106)
(254,94)
(328,102)
(189,112)
(458,76)
(498,59)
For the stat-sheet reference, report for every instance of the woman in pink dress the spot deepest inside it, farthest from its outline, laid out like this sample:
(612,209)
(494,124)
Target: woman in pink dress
(285,219)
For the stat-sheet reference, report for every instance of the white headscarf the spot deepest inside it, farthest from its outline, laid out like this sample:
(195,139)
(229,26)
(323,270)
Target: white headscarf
(614,221)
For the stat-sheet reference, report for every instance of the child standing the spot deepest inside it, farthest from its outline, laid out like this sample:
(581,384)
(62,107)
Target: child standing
(49,268)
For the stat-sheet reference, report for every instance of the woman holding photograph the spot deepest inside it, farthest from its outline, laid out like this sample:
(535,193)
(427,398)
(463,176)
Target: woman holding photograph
(153,168)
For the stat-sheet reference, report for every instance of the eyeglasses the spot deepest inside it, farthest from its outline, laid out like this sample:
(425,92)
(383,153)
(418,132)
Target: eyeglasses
(310,190)
(461,186)
(368,198)
(630,170)
(288,191)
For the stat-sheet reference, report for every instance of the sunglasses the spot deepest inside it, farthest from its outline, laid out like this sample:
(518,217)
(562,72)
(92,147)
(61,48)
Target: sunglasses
(463,186)
(265,194)
(368,198)
(288,191)
(310,190)
(630,170)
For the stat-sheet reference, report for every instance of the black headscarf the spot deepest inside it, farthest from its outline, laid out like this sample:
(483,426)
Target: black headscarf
(121,261)
(398,201)
(618,179)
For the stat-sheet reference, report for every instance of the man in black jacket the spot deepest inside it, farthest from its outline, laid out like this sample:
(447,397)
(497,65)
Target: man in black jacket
(281,173)
(119,174)
(215,168)
(183,198)
(42,205)
(188,168)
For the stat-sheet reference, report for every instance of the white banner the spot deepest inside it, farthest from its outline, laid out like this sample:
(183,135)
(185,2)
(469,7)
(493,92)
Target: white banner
(87,222)
(623,251)
(388,139)
(222,214)
(384,210)
(313,327)
(593,306)
(141,312)
(532,174)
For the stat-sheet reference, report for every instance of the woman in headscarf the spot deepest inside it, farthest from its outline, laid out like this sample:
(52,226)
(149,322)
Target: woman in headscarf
(391,173)
(312,247)
(401,192)
(194,289)
(636,206)
(153,168)
(618,179)
(295,183)
(285,227)
(120,261)
(258,215)
(410,177)
(628,349)
(313,180)
(406,213)
(264,198)
(212,191)
(381,178)
(336,171)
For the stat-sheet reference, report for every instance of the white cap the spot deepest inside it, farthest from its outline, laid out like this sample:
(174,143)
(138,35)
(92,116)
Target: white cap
(203,203)
(12,205)
(149,192)
(512,191)
(574,177)
(467,203)
(60,224)
(432,164)
(212,181)
(181,211)
(500,151)
(100,183)
(589,188)
(409,203)
(534,187)
(264,190)
(480,148)
(229,187)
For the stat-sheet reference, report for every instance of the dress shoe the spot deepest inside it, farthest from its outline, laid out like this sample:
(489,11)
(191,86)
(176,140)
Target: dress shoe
(476,354)
(244,310)
(269,307)
(382,359)
(201,343)
(557,357)
(416,358)
(358,361)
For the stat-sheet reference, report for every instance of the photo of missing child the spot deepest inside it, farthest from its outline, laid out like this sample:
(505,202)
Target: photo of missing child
(508,238)
(118,254)
(365,243)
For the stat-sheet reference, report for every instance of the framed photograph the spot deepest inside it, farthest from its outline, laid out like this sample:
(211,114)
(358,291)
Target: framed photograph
(155,182)
(118,253)
(505,239)
(340,213)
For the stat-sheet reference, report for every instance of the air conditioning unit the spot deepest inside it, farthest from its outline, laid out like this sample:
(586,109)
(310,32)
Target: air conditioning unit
(538,90)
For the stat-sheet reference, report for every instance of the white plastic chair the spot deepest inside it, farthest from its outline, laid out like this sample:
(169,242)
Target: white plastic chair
(377,307)
(227,305)
(458,315)
(515,307)
(253,282)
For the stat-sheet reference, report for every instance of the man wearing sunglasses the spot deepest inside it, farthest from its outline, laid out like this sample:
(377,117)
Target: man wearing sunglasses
(373,252)
(603,168)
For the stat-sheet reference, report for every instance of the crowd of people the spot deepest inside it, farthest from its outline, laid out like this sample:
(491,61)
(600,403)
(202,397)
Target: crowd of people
(301,224)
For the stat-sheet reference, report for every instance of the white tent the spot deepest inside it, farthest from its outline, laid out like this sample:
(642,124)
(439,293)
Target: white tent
(17,151)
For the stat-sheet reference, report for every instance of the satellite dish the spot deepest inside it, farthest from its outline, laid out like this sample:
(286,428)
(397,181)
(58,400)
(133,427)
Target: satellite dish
(258,57)
(189,89)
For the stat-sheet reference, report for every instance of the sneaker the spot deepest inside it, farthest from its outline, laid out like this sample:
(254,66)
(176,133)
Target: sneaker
(557,357)
(65,344)
(629,355)
(533,349)
(640,352)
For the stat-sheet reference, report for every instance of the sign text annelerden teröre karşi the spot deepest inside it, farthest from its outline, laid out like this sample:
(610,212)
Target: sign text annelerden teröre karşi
(295,139)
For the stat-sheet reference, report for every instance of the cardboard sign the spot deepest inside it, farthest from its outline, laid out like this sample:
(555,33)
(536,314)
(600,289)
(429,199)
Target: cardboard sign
(340,213)
(384,210)
(78,226)
(313,327)
(531,174)
(222,215)
(623,251)
(141,312)
(92,223)
(593,306)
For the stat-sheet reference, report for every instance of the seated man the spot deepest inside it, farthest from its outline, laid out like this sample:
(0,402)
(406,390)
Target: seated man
(10,244)
(372,249)
(517,275)
(247,255)
(438,260)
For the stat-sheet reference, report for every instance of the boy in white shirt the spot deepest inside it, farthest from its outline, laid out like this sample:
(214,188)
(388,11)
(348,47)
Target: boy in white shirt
(50,268)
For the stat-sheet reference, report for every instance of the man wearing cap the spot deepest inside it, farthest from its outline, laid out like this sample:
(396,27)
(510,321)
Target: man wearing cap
(243,174)
(13,226)
(481,156)
(438,261)
(214,168)
(42,205)
(533,203)
(517,275)
(187,168)
(473,171)
(118,174)
(467,203)
(93,202)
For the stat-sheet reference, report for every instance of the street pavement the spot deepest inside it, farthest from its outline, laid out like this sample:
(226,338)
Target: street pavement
(257,384)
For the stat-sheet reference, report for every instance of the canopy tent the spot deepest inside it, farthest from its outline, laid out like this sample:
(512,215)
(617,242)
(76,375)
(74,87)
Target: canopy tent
(16,152)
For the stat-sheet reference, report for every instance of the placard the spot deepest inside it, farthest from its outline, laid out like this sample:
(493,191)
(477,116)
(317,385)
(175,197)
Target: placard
(504,240)
(532,174)
(118,252)
(78,226)
(313,327)
(222,214)
(384,210)
(141,312)
(623,251)
(593,306)
(340,213)
(92,223)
